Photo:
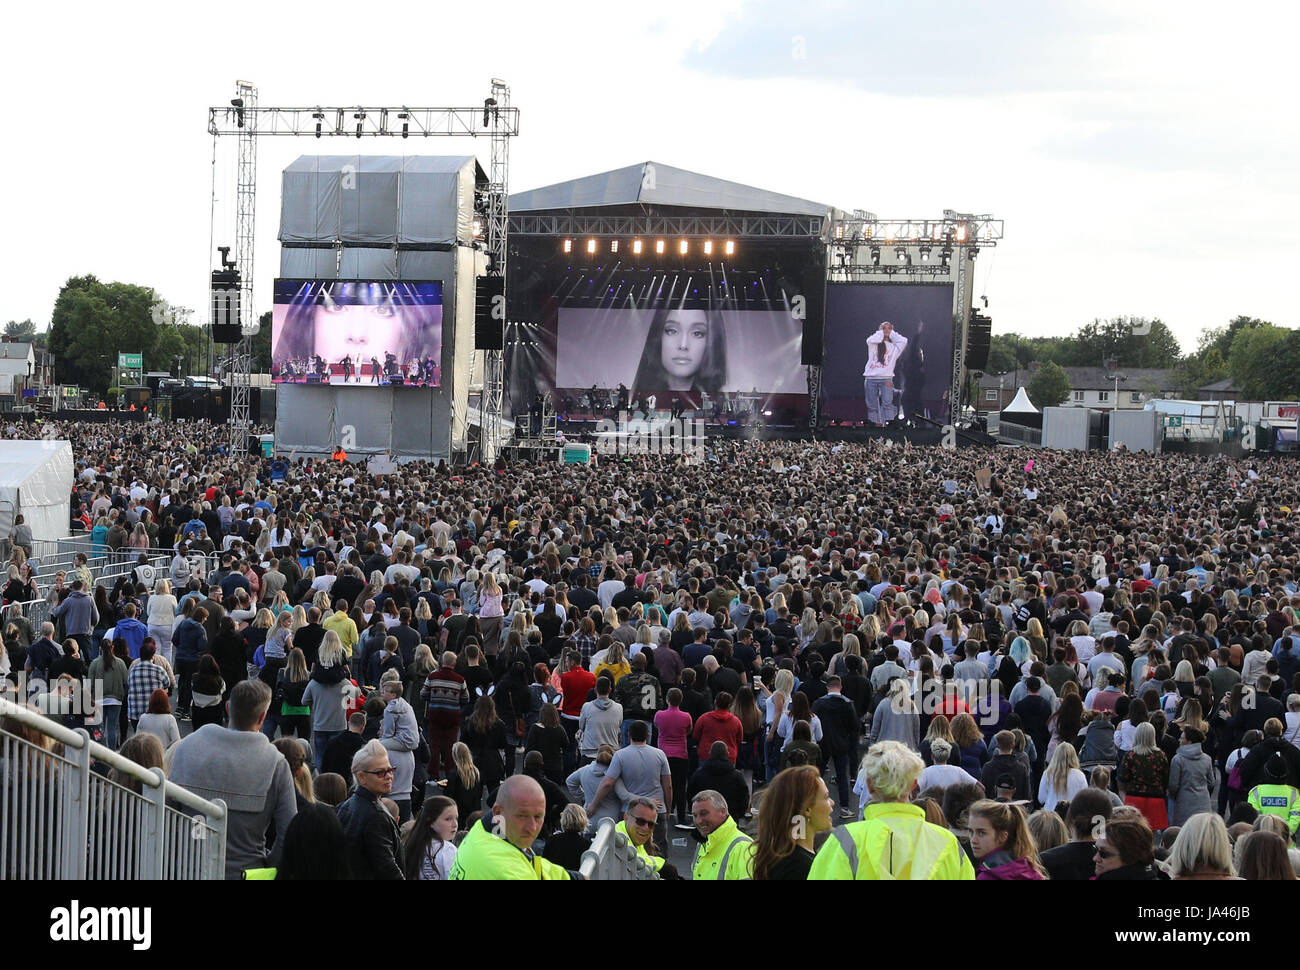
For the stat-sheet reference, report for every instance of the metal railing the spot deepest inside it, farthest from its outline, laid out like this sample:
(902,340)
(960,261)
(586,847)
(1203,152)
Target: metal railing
(612,856)
(59,819)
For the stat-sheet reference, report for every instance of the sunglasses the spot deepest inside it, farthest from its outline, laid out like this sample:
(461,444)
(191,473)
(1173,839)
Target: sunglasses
(382,771)
(644,823)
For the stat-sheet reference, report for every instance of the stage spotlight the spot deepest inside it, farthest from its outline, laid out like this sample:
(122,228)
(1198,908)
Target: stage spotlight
(875,255)
(961,232)
(319,116)
(839,230)
(659,246)
(613,246)
(591,245)
(901,253)
(636,247)
(683,247)
(708,247)
(488,105)
(404,117)
(478,227)
(238,105)
(360,116)
(730,247)
(568,245)
(925,254)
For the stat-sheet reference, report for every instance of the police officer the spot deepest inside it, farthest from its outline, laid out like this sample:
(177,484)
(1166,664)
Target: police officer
(1276,797)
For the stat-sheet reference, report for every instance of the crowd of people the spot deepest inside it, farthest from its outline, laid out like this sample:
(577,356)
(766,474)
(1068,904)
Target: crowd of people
(808,661)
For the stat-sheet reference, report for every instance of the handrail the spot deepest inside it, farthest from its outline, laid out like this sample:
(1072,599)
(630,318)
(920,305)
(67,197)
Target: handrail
(77,740)
(608,847)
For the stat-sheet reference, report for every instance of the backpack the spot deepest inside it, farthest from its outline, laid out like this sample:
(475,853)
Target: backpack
(1234,776)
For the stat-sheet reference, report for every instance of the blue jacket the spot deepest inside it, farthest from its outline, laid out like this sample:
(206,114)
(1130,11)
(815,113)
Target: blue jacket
(133,632)
(190,640)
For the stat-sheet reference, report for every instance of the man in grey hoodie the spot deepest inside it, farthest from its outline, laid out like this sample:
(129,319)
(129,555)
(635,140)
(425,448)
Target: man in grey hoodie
(1193,779)
(600,722)
(240,765)
(585,782)
(80,616)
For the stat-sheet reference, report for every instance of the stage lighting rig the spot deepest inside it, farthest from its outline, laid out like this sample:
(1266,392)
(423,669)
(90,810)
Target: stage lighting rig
(488,105)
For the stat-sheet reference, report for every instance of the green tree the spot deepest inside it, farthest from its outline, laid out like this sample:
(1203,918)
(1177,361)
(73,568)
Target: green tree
(1256,362)
(26,330)
(1049,387)
(1131,341)
(261,362)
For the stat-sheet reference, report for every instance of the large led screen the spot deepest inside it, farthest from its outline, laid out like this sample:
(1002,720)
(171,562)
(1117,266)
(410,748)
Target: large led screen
(357,333)
(888,351)
(672,348)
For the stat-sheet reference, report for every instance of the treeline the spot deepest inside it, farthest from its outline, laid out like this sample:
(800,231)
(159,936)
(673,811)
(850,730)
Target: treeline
(1261,358)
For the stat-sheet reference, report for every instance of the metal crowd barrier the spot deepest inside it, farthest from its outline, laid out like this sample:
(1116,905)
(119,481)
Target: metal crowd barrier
(612,856)
(61,820)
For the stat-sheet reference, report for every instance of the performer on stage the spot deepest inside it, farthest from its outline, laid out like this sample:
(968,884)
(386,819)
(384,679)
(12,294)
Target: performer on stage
(346,364)
(430,372)
(376,372)
(884,347)
(321,368)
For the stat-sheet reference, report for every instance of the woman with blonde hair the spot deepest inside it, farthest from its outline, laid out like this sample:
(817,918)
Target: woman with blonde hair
(807,628)
(1202,850)
(280,604)
(850,647)
(490,613)
(777,703)
(614,664)
(160,614)
(896,718)
(969,741)
(939,730)
(1062,779)
(1144,777)
(464,784)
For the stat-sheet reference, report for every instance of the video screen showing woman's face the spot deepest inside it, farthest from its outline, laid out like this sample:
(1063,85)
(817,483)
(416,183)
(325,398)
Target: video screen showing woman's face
(366,331)
(685,339)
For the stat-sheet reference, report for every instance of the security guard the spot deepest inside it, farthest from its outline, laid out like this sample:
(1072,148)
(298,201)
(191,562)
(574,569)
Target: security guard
(1277,797)
(725,852)
(519,811)
(637,826)
(893,841)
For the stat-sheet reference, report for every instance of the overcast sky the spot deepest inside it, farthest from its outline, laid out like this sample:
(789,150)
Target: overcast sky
(1143,155)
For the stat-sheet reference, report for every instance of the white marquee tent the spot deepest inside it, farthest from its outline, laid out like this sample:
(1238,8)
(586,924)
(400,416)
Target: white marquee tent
(36,482)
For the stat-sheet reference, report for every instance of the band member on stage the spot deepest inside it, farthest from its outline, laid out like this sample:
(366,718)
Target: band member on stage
(346,364)
(620,402)
(430,372)
(376,372)
(685,350)
(884,347)
(390,366)
(320,366)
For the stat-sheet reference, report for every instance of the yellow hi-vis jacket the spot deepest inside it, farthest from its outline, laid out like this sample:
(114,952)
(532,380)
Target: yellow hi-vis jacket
(1280,800)
(728,854)
(653,861)
(483,855)
(893,841)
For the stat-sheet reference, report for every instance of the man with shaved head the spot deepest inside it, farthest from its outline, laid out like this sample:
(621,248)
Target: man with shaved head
(500,845)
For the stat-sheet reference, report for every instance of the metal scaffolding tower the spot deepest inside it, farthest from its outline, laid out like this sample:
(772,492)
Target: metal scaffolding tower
(246,120)
(245,221)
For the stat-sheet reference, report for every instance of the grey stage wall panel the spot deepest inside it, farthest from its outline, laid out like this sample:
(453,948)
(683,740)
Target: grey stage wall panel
(369,207)
(308,264)
(437,206)
(309,200)
(304,419)
(368,264)
(379,199)
(403,422)
(425,264)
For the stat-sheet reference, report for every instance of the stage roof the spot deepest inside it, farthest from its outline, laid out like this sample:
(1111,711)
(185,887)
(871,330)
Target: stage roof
(652,183)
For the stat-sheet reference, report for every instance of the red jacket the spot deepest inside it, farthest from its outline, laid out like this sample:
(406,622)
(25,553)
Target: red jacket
(575,685)
(719,726)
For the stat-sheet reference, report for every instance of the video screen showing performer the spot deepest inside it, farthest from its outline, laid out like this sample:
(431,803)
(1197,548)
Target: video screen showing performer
(357,333)
(677,352)
(887,352)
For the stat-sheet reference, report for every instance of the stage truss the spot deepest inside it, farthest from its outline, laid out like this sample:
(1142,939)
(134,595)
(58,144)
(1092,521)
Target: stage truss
(247,120)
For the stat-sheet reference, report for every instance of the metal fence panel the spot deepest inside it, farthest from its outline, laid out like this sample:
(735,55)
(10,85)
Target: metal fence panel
(61,820)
